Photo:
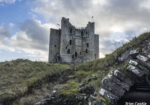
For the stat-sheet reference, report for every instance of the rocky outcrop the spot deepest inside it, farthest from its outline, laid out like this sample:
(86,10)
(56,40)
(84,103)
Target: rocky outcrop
(128,54)
(116,83)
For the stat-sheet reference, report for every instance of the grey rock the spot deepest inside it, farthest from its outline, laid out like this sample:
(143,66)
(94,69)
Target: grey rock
(133,62)
(122,77)
(122,84)
(124,56)
(144,69)
(148,55)
(54,91)
(99,102)
(141,67)
(135,70)
(111,97)
(134,52)
(109,84)
(144,61)
(142,58)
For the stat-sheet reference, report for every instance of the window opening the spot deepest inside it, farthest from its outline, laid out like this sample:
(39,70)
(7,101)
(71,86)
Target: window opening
(68,51)
(76,54)
(70,42)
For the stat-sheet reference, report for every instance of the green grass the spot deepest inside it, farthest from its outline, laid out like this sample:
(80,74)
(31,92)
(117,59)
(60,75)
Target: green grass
(19,77)
(69,88)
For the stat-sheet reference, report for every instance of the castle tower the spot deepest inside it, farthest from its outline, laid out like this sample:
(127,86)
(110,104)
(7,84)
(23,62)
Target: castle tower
(72,45)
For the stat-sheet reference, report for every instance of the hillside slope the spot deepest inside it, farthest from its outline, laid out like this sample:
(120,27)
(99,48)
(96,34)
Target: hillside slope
(19,78)
(25,83)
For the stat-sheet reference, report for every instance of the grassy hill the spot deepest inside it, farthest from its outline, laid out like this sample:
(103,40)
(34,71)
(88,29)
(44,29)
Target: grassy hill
(23,82)
(19,77)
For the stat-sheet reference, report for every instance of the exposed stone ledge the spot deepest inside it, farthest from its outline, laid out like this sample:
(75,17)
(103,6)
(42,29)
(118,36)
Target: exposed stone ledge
(116,83)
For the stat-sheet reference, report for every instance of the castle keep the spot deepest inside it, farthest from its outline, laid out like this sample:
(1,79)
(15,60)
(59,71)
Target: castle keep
(72,45)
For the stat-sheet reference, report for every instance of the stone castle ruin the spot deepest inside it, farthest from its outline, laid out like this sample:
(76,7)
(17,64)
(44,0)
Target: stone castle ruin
(72,45)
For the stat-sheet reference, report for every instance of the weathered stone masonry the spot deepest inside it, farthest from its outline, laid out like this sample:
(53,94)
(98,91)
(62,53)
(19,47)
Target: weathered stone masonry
(72,45)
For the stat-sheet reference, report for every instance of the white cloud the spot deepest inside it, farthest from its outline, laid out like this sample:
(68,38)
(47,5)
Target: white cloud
(145,4)
(100,2)
(31,40)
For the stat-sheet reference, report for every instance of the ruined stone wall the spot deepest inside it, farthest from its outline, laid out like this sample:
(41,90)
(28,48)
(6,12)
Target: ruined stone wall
(66,41)
(89,43)
(77,44)
(54,44)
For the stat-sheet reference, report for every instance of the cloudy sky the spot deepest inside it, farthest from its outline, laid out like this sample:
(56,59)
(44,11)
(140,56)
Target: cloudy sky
(25,24)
